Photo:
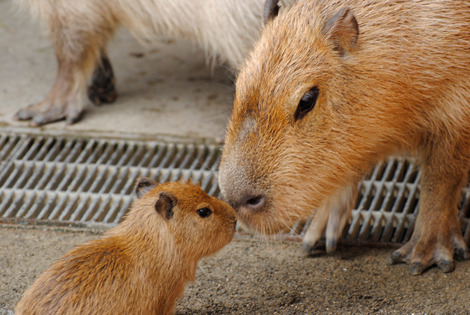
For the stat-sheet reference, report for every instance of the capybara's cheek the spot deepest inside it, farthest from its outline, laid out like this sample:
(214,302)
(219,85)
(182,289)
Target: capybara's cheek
(228,230)
(222,235)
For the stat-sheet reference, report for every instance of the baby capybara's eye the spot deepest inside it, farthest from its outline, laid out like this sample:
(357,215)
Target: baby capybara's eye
(204,212)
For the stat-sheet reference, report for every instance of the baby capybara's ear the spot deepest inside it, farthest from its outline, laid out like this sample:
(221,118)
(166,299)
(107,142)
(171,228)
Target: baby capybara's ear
(165,204)
(143,185)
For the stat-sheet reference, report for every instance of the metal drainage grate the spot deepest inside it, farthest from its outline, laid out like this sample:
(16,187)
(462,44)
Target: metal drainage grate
(89,181)
(387,205)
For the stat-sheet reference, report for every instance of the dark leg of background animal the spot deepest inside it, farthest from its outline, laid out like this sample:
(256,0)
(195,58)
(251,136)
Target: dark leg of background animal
(437,235)
(102,88)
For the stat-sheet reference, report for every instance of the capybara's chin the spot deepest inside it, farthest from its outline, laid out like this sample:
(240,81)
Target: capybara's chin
(271,220)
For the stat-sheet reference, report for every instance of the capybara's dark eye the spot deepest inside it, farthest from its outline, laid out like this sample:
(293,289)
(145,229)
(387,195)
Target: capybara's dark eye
(307,103)
(204,212)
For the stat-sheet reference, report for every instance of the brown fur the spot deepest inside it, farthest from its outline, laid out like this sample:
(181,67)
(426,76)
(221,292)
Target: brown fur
(393,77)
(80,31)
(140,266)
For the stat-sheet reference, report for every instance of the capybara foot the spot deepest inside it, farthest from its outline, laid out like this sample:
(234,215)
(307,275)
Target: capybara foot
(44,113)
(315,250)
(102,88)
(330,218)
(422,254)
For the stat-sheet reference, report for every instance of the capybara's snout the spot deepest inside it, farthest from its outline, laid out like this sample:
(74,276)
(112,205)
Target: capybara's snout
(242,193)
(245,198)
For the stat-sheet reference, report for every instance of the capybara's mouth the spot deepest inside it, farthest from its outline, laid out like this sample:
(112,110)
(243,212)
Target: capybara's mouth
(265,222)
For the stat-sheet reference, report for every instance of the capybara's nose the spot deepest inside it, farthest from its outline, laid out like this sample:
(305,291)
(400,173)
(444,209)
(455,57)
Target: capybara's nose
(254,202)
(238,189)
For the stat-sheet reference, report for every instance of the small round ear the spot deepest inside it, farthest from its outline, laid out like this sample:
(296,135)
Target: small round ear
(143,185)
(271,10)
(165,204)
(342,29)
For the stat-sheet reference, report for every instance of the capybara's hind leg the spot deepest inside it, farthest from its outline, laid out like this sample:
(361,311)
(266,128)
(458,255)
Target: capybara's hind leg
(78,36)
(437,235)
(102,88)
(64,101)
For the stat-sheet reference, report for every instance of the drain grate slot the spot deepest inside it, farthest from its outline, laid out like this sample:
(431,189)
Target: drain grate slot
(89,181)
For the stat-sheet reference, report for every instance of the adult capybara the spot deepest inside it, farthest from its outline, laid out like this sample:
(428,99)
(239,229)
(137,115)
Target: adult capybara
(142,265)
(80,30)
(331,88)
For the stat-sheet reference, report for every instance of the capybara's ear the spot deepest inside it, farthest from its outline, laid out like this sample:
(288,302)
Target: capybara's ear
(144,185)
(271,10)
(342,29)
(165,204)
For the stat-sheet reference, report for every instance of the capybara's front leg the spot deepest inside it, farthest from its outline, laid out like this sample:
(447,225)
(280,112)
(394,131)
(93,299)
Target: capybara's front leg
(437,236)
(332,216)
(102,88)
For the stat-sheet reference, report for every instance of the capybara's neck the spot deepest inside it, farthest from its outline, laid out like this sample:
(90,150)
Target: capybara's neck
(154,248)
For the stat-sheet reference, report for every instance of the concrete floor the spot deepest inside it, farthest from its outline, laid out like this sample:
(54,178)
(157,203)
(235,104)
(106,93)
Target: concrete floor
(165,88)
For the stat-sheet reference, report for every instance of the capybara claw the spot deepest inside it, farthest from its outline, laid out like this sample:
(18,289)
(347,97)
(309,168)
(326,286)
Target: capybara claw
(397,258)
(462,253)
(23,114)
(331,245)
(314,250)
(99,97)
(446,265)
(34,123)
(417,269)
(308,247)
(72,119)
(40,120)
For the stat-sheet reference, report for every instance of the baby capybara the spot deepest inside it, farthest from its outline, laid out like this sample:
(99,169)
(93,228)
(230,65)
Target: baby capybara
(141,266)
(333,87)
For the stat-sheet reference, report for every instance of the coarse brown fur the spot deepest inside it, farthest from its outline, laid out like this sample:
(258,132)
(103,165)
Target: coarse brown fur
(141,266)
(80,31)
(393,77)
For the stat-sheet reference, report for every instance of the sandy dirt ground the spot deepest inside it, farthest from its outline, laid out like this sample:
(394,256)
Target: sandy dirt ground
(254,276)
